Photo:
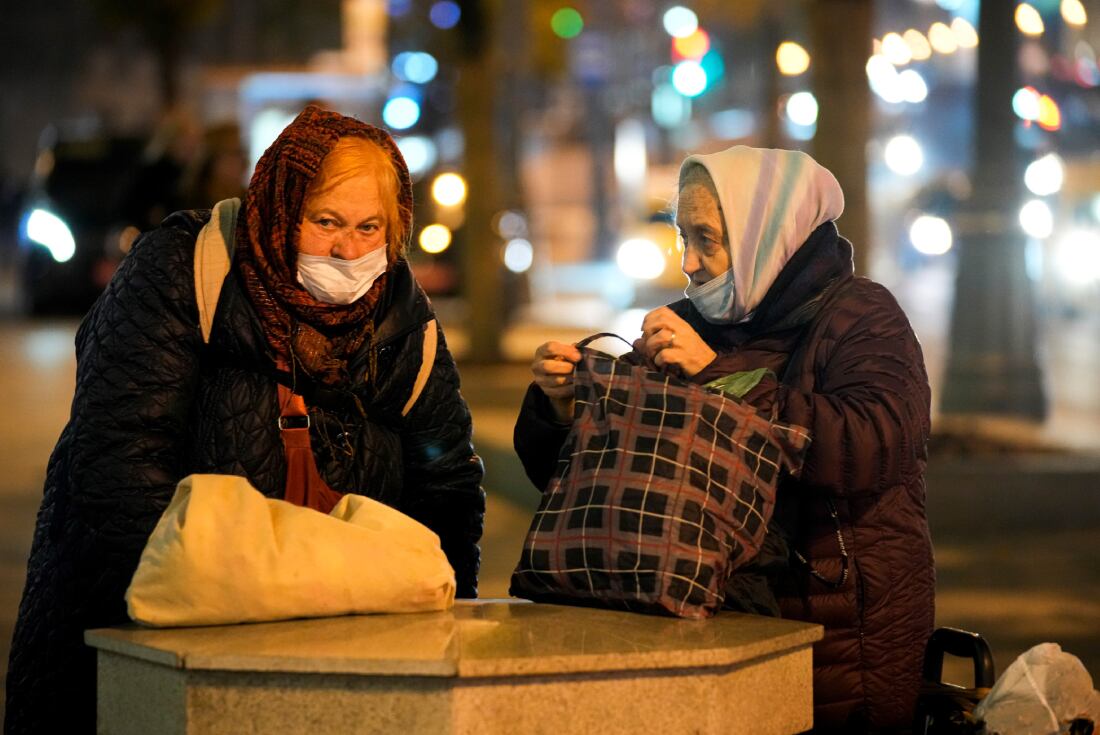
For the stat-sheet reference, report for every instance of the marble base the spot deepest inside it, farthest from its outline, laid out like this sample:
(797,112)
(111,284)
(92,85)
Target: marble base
(485,667)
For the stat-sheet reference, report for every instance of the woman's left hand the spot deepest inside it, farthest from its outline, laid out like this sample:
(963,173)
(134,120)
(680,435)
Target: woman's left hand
(670,342)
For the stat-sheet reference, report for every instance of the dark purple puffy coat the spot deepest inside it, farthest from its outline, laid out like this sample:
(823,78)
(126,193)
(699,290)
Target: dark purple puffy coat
(848,367)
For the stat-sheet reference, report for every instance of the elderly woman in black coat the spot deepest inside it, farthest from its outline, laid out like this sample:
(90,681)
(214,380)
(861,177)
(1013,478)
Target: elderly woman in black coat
(319,327)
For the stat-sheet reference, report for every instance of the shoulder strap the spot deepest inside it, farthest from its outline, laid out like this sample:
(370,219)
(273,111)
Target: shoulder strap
(213,255)
(427,360)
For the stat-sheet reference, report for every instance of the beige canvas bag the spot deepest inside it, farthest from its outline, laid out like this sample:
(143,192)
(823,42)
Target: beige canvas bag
(223,553)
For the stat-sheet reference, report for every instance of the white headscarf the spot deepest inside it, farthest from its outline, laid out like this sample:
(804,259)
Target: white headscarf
(772,200)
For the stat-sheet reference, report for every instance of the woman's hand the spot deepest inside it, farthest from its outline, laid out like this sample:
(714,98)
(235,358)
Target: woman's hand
(669,342)
(553,370)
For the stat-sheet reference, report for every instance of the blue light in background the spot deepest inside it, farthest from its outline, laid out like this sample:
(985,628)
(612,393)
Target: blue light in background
(445,14)
(415,66)
(401,113)
(398,8)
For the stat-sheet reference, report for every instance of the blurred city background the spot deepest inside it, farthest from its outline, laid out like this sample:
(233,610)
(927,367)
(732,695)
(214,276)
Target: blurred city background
(544,138)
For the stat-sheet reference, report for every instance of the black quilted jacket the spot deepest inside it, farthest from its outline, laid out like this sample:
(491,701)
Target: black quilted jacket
(154,404)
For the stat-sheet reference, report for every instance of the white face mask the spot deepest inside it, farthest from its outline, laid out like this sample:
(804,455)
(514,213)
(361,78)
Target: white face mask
(337,281)
(714,299)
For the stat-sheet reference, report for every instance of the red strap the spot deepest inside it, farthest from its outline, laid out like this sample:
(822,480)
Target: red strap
(304,484)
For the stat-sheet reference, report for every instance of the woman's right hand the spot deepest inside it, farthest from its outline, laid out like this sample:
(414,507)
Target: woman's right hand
(553,370)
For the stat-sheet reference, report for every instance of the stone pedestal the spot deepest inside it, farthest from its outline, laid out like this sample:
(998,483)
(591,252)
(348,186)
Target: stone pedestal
(492,666)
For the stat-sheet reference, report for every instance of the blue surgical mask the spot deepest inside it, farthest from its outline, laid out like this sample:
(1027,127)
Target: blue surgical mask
(337,281)
(714,299)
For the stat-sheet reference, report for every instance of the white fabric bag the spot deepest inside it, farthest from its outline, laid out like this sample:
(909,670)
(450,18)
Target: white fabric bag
(224,553)
(1040,693)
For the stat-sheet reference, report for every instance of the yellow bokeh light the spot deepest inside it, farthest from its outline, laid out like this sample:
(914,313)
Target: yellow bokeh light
(449,189)
(1028,20)
(1050,117)
(965,35)
(435,239)
(942,39)
(1073,13)
(694,46)
(896,50)
(918,44)
(792,59)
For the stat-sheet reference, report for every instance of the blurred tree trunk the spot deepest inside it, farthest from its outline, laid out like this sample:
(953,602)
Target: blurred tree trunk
(992,366)
(477,90)
(840,46)
(166,26)
(771,35)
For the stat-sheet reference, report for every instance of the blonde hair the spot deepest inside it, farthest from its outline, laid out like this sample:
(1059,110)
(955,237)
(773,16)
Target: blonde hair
(354,156)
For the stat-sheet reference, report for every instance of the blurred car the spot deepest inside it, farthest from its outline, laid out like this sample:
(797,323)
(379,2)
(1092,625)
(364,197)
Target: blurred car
(70,225)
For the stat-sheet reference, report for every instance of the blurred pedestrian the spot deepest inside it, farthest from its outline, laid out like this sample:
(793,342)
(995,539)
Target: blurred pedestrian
(319,329)
(218,171)
(771,286)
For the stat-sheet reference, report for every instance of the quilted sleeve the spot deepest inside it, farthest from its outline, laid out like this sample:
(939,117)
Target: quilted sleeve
(869,411)
(137,365)
(442,472)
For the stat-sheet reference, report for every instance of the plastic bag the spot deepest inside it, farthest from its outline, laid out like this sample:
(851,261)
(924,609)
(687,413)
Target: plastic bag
(1040,693)
(223,553)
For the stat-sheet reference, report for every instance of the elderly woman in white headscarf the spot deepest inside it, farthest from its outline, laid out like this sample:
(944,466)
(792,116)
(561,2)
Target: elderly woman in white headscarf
(771,293)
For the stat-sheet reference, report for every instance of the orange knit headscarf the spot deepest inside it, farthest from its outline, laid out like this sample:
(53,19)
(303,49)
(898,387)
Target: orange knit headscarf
(310,335)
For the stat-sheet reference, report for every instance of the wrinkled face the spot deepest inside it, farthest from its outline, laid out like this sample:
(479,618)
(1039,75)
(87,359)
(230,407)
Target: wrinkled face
(344,221)
(703,233)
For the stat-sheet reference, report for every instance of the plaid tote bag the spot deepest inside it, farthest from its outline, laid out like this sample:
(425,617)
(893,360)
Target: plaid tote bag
(661,489)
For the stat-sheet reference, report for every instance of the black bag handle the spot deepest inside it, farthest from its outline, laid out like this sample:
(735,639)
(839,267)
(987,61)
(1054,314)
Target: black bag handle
(599,335)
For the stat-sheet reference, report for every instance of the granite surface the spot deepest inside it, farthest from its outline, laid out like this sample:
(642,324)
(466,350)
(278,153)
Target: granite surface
(477,638)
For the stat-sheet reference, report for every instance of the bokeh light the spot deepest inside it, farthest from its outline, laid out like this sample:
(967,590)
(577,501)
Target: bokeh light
(1025,103)
(50,231)
(398,8)
(401,113)
(883,78)
(510,224)
(1050,116)
(566,23)
(1028,20)
(918,44)
(640,258)
(445,14)
(1036,219)
(689,78)
(930,235)
(691,47)
(680,21)
(418,67)
(913,87)
(792,59)
(1073,13)
(942,39)
(896,50)
(449,189)
(518,255)
(420,153)
(904,155)
(435,238)
(802,108)
(1044,176)
(965,35)
(669,108)
(1077,257)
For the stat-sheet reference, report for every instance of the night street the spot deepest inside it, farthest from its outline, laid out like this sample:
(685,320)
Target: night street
(1018,585)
